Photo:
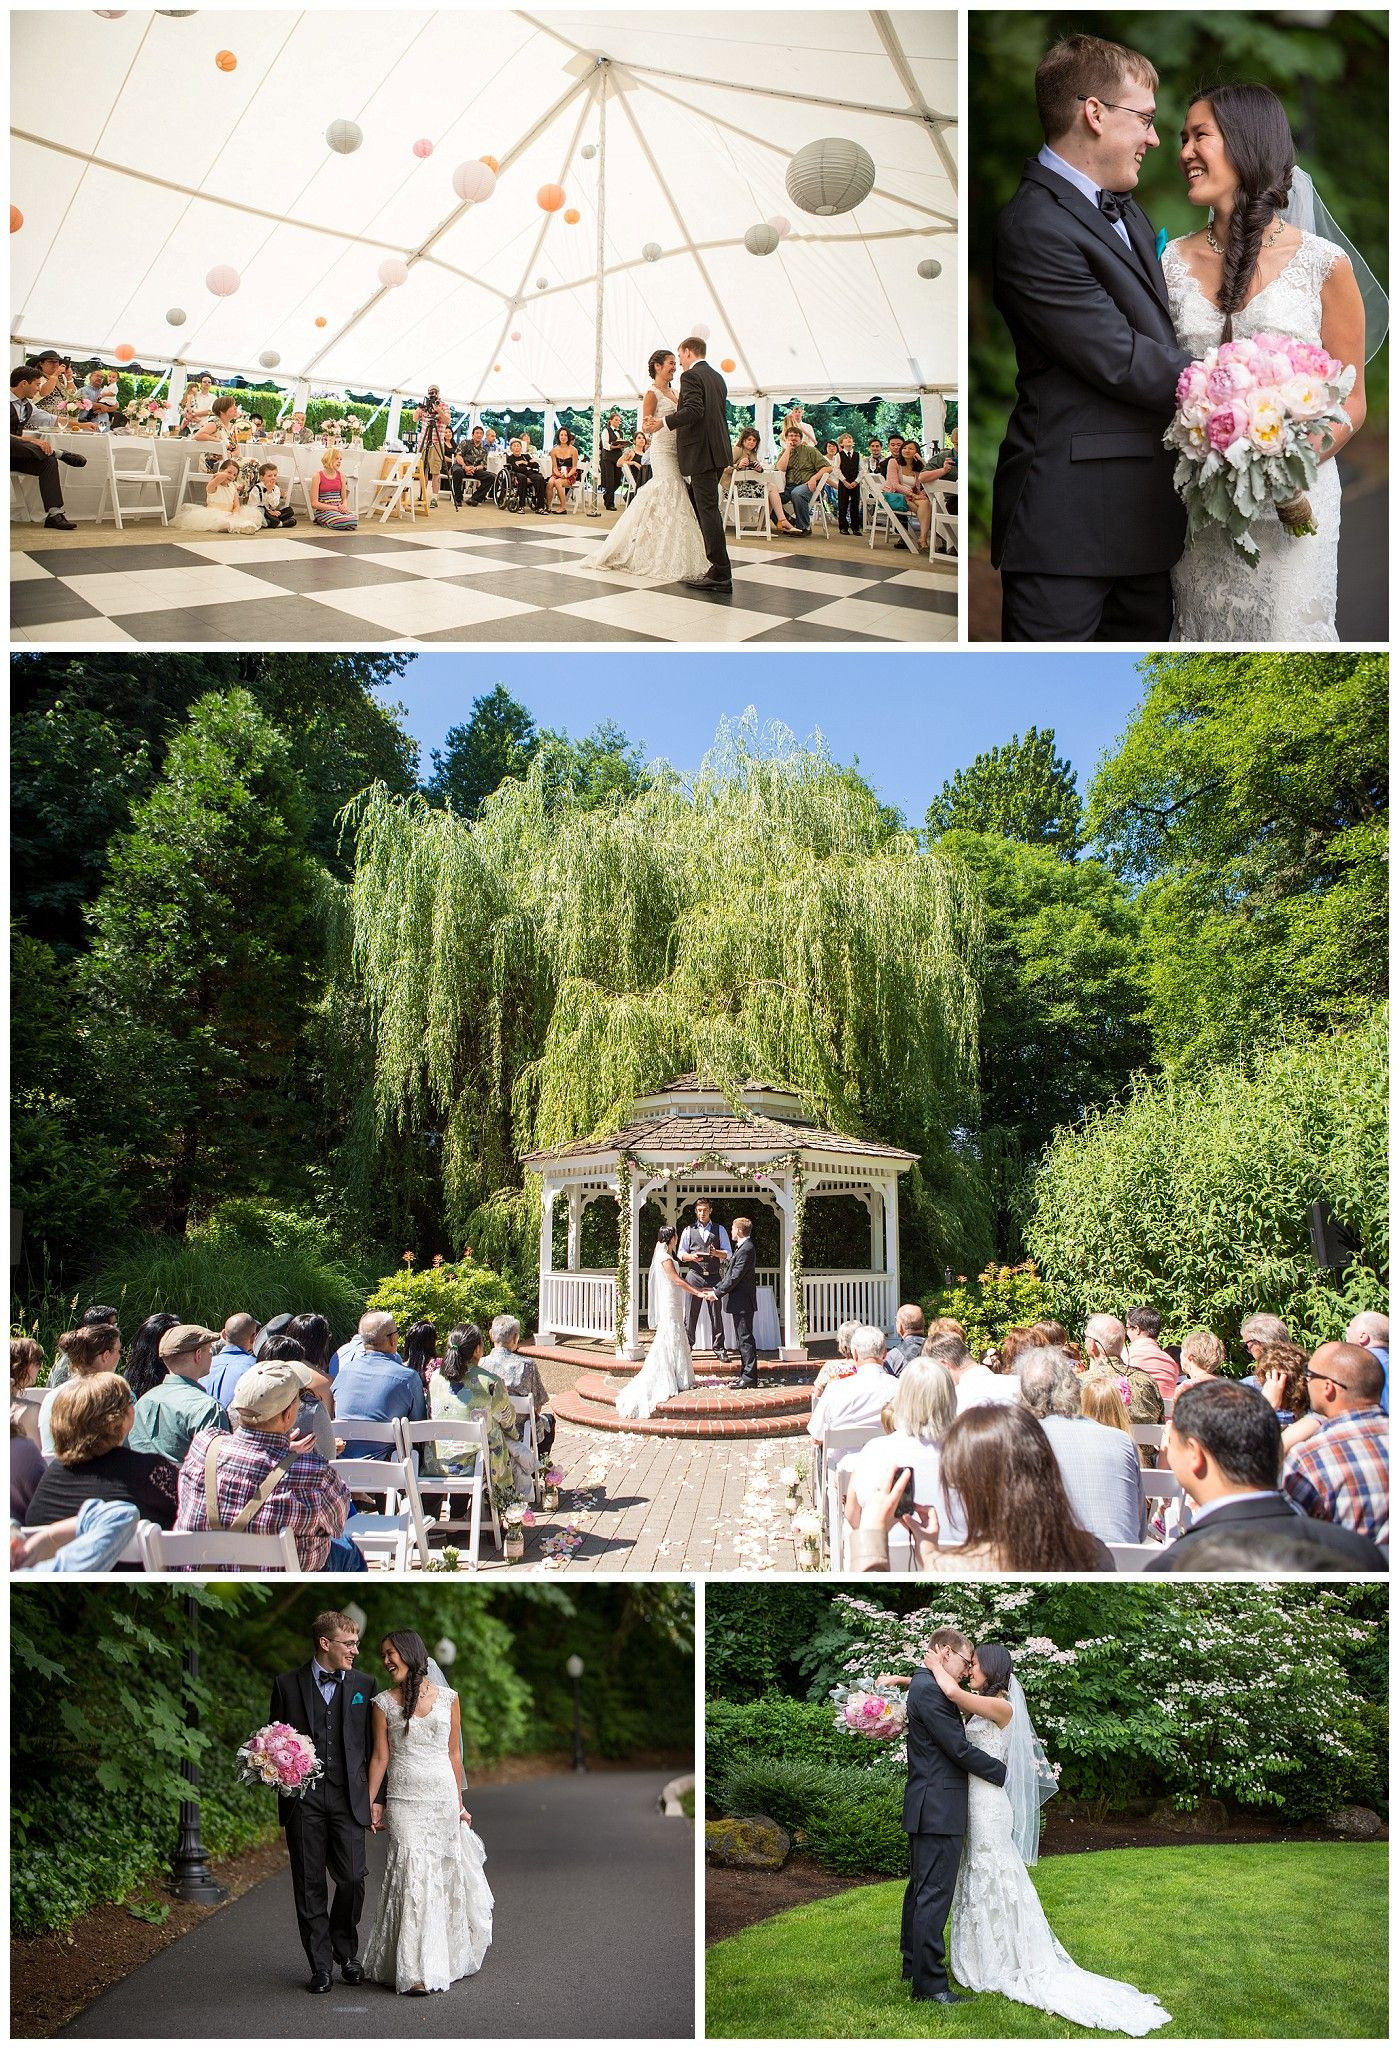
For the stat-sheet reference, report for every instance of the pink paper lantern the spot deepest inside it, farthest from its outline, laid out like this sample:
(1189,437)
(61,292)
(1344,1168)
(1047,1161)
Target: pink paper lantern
(700,330)
(514,334)
(223,280)
(393,271)
(780,226)
(422,147)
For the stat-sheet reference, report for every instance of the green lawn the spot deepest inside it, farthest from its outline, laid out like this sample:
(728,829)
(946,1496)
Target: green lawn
(1261,1940)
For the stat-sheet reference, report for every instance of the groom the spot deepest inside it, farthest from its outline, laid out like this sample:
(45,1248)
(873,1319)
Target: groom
(329,1700)
(739,1288)
(1086,525)
(935,1813)
(700,425)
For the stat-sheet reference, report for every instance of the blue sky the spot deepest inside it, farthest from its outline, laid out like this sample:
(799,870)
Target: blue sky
(910,720)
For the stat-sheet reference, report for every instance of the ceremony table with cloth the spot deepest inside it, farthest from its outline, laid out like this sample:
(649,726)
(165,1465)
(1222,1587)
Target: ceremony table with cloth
(767,1328)
(82,488)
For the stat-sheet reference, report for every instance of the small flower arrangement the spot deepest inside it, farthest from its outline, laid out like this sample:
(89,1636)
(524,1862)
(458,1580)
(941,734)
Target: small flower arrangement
(1244,427)
(879,1714)
(281,1757)
(806,1534)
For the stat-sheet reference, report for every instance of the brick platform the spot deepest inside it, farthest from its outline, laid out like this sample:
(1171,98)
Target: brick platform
(701,1412)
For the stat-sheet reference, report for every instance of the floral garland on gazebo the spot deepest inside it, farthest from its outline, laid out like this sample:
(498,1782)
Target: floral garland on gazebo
(788,1163)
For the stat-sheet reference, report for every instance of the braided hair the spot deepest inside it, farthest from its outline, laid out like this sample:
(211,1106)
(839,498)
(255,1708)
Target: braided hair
(413,1651)
(1253,127)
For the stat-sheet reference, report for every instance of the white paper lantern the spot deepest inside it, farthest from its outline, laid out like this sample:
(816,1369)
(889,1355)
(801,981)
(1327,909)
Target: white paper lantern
(830,176)
(344,137)
(761,240)
(393,271)
(473,182)
(588,151)
(110,13)
(541,284)
(269,359)
(651,251)
(176,317)
(223,280)
(930,267)
(780,226)
(700,330)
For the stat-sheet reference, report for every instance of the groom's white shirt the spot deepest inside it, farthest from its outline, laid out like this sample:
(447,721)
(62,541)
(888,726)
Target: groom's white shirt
(1081,182)
(326,1682)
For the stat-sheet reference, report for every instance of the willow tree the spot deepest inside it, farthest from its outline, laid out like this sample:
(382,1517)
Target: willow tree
(519,979)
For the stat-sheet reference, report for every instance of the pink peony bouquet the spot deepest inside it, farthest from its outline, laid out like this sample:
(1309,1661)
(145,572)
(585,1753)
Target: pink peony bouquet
(1247,424)
(866,1710)
(281,1757)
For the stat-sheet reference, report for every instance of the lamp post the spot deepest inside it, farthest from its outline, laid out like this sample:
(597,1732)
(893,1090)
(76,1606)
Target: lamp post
(574,1669)
(190,1876)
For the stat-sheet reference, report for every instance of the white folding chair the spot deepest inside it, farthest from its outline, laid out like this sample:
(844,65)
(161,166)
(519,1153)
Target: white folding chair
(25,502)
(837,1529)
(742,503)
(834,1445)
(386,1534)
(395,491)
(132,461)
(523,1405)
(1133,1557)
(1161,1485)
(946,525)
(134,1552)
(364,1430)
(820,510)
(469,1435)
(194,482)
(877,510)
(225,1550)
(1152,1434)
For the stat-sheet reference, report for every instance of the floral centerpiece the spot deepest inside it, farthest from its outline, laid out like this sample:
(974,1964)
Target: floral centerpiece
(331,431)
(281,1757)
(878,1713)
(1252,420)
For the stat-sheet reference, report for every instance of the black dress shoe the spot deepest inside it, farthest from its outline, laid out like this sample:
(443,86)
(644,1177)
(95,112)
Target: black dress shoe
(61,523)
(709,583)
(746,1381)
(943,1998)
(74,461)
(352,1972)
(320,1981)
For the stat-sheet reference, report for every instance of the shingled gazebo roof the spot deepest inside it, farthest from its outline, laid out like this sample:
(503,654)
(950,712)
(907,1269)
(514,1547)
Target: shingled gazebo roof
(722,1131)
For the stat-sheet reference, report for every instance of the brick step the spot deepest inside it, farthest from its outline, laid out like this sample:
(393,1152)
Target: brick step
(707,1367)
(712,1417)
(706,1401)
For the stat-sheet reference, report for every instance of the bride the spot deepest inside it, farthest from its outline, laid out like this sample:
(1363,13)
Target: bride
(1001,1940)
(668,1368)
(1254,269)
(433,1923)
(657,536)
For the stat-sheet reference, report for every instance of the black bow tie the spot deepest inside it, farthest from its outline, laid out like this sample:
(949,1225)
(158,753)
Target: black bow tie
(1113,205)
(331,1678)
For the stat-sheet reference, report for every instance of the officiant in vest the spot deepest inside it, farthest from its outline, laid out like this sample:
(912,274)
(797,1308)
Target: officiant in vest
(699,1259)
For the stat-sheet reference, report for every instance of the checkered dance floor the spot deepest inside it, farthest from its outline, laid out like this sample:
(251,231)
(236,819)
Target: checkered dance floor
(508,582)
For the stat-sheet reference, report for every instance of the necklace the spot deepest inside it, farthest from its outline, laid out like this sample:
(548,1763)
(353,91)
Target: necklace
(1209,236)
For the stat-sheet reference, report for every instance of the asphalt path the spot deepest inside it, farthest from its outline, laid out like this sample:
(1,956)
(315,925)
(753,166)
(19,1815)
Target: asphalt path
(593,1936)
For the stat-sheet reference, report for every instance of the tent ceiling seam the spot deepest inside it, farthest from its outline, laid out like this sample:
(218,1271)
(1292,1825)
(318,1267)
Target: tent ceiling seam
(889,36)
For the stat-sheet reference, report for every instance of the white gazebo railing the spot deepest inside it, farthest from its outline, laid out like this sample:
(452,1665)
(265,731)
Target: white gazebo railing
(768,1277)
(579,1305)
(831,1299)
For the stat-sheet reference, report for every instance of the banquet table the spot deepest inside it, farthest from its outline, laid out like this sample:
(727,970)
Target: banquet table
(178,458)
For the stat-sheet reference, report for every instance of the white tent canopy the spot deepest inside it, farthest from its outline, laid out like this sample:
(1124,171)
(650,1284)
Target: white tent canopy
(139,165)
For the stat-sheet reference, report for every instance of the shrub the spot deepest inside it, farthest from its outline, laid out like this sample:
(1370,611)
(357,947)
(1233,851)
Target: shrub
(998,1300)
(203,1280)
(446,1296)
(850,1818)
(250,1220)
(798,1731)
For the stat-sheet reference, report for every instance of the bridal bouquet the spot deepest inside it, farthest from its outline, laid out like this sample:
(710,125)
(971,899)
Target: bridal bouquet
(282,1757)
(1243,427)
(871,1711)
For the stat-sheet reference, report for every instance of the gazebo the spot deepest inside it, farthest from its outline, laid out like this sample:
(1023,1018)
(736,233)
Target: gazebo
(685,1141)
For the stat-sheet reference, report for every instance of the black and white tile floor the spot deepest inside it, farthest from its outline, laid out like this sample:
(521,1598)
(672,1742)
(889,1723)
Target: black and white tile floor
(506,583)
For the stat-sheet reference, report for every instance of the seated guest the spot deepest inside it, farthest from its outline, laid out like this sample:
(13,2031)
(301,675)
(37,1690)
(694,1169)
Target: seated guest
(92,1460)
(997,1465)
(259,431)
(168,1417)
(1224,1445)
(263,1479)
(26,1357)
(908,1339)
(1372,1330)
(223,510)
(197,404)
(1341,1475)
(1104,1402)
(976,1384)
(854,1403)
(142,1367)
(98,399)
(563,470)
(220,422)
(233,1358)
(634,465)
(56,391)
(332,495)
(314,1419)
(31,455)
(90,1541)
(1143,1350)
(921,1412)
(1280,1372)
(525,470)
(875,459)
(312,1333)
(266,495)
(520,1376)
(804,428)
(26,1464)
(92,1348)
(747,472)
(469,469)
(911,484)
(420,1350)
(463,1392)
(1202,1356)
(840,1366)
(1104,1338)
(1100,1469)
(800,464)
(377,1386)
(302,436)
(95,1313)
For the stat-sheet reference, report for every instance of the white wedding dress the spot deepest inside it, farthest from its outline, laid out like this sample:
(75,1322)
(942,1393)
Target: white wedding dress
(657,536)
(1289,594)
(668,1368)
(1001,1940)
(433,1923)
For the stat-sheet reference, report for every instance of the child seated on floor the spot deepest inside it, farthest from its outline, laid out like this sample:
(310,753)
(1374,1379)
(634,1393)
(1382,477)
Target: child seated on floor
(267,492)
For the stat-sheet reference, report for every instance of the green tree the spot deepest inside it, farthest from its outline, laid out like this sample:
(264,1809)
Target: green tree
(603,765)
(207,951)
(498,741)
(1249,802)
(1022,790)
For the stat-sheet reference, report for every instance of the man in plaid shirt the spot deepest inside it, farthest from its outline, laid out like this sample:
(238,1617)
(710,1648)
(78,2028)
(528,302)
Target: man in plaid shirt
(266,1479)
(1341,1475)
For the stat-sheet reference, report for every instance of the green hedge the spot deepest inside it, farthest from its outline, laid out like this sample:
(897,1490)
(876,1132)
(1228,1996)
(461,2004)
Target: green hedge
(797,1731)
(850,1818)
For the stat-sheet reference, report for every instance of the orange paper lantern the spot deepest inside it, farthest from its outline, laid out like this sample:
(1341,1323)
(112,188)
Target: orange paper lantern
(497,369)
(226,61)
(550,197)
(573,216)
(16,220)
(320,320)
(124,352)
(490,163)
(727,365)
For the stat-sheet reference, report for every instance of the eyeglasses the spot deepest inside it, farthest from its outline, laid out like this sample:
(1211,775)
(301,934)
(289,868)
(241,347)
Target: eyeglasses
(1344,1386)
(1148,120)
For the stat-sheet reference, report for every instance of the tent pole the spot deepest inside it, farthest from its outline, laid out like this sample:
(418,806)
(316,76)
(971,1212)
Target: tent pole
(598,312)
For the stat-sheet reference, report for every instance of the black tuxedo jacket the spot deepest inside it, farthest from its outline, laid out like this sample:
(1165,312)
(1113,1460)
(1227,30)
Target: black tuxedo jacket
(740,1283)
(1083,483)
(939,1759)
(291,1702)
(1350,1552)
(700,421)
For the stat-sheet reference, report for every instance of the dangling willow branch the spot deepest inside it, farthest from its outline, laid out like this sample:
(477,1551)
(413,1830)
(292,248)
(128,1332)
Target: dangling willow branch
(526,976)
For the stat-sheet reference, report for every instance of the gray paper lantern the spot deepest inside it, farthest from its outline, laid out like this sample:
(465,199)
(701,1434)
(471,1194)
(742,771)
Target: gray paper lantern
(269,359)
(541,284)
(830,176)
(760,240)
(344,137)
(651,251)
(588,151)
(176,317)
(930,267)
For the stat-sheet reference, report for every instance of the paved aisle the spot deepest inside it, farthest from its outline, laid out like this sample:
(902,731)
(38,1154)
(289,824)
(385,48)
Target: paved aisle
(594,1936)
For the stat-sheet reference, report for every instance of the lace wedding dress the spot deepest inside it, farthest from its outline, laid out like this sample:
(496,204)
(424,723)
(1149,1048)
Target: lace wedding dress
(668,1368)
(433,1923)
(1289,594)
(657,536)
(1001,1940)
